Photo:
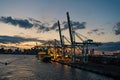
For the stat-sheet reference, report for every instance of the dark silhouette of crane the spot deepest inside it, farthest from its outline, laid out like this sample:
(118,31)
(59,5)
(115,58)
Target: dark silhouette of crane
(84,44)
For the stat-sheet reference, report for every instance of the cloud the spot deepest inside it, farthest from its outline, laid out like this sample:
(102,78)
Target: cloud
(17,39)
(42,27)
(109,46)
(34,20)
(24,23)
(21,33)
(54,26)
(4,46)
(102,32)
(96,31)
(75,25)
(116,28)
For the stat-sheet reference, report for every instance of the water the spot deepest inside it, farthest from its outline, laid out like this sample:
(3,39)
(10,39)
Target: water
(27,67)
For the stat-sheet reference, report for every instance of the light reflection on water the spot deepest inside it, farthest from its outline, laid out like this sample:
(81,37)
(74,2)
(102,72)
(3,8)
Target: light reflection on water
(26,67)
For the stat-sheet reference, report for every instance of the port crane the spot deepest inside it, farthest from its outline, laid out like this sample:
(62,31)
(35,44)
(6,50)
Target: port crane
(62,40)
(84,44)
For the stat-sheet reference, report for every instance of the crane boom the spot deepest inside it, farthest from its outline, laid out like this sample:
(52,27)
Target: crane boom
(79,37)
(70,28)
(60,33)
(67,39)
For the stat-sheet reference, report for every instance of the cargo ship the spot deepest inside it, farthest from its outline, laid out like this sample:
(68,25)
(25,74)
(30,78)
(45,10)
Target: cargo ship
(44,56)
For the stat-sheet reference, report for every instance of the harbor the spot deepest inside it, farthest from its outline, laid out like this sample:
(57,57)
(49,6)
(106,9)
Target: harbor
(73,57)
(59,40)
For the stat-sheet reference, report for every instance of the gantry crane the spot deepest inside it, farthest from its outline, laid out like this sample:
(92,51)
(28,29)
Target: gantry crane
(62,38)
(84,44)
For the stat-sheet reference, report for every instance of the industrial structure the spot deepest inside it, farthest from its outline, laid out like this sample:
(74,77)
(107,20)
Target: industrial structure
(83,46)
(74,51)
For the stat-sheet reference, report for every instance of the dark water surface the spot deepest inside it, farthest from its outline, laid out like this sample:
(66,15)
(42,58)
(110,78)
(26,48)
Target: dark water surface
(27,67)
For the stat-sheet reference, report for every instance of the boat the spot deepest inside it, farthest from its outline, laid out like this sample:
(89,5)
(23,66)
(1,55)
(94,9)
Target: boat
(43,56)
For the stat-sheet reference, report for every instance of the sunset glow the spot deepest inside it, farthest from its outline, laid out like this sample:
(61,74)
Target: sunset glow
(31,21)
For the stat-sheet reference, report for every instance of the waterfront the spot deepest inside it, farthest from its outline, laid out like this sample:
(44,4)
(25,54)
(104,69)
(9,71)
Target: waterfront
(27,67)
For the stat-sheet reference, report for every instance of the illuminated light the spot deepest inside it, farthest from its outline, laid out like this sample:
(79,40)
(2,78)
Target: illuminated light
(66,56)
(57,55)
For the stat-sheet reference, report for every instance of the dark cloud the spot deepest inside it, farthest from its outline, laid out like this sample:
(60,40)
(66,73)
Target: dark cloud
(43,28)
(34,20)
(75,25)
(20,22)
(78,25)
(96,31)
(30,22)
(109,46)
(102,32)
(55,26)
(25,23)
(17,39)
(116,28)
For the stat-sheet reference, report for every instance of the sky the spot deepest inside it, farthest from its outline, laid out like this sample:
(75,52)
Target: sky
(26,22)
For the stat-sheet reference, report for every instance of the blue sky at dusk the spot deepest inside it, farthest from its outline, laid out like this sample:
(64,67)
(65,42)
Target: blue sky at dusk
(34,20)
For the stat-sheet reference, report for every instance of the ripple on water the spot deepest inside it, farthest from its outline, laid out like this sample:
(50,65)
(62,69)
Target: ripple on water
(28,68)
